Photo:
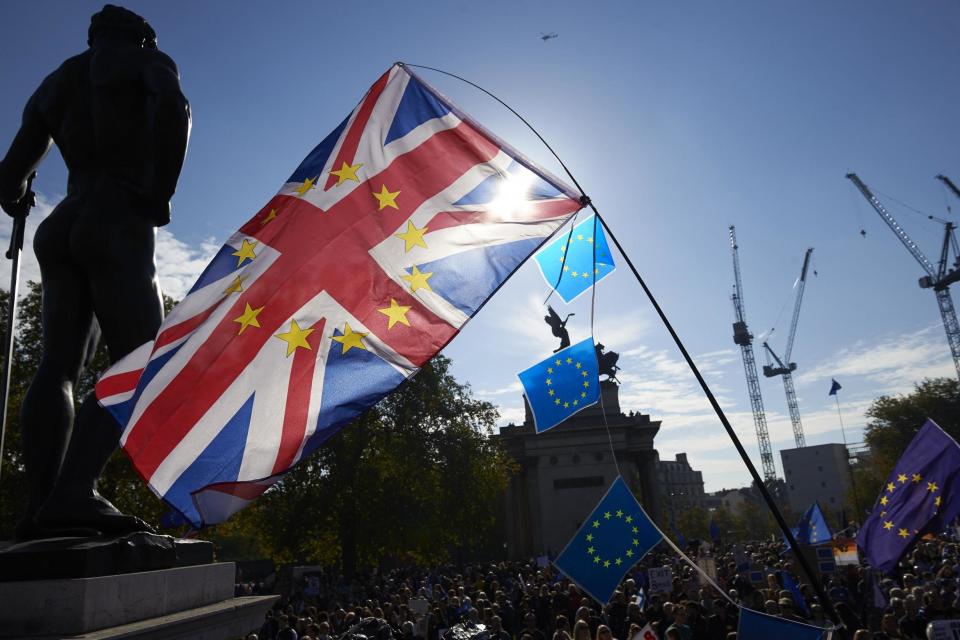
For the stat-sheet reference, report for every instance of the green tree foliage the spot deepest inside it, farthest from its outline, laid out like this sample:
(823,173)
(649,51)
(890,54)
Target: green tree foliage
(416,478)
(894,420)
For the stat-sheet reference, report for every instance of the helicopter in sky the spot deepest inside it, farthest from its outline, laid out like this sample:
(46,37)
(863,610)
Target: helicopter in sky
(548,36)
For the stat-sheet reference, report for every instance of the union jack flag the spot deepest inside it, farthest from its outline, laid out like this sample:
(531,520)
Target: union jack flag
(386,239)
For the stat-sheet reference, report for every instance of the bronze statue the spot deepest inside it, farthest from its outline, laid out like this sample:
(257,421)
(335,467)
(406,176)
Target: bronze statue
(607,362)
(558,327)
(121,122)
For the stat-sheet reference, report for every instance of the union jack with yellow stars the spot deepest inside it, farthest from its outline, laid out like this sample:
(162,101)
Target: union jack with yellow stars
(386,239)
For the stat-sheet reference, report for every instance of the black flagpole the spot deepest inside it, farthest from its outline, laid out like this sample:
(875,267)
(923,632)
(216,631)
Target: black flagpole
(791,540)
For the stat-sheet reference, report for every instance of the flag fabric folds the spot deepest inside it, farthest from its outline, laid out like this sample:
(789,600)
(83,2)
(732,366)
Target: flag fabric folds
(921,494)
(386,239)
(834,387)
(561,385)
(791,585)
(613,538)
(754,625)
(586,260)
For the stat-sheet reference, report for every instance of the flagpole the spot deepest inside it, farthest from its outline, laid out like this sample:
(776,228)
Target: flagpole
(853,482)
(758,481)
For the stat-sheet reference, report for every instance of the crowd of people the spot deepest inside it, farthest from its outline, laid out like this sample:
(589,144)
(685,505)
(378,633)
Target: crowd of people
(527,601)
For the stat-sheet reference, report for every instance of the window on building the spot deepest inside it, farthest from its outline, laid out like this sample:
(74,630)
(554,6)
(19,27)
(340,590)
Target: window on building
(578,483)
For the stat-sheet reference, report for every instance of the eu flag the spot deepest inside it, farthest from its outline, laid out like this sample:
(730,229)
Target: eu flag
(578,267)
(834,387)
(611,540)
(562,385)
(921,494)
(754,625)
(813,527)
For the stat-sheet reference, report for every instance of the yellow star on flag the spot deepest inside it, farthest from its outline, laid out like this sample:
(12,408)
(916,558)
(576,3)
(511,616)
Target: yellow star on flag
(346,172)
(629,553)
(916,477)
(306,186)
(596,523)
(903,533)
(245,252)
(249,318)
(888,525)
(295,338)
(235,287)
(607,515)
(884,500)
(412,237)
(418,279)
(901,478)
(618,562)
(589,537)
(386,198)
(937,501)
(932,486)
(629,519)
(350,339)
(596,559)
(396,313)
(619,513)
(270,216)
(891,487)
(590,550)
(606,564)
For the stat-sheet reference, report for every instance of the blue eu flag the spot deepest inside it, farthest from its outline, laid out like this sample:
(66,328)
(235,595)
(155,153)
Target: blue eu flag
(813,527)
(922,494)
(611,540)
(578,267)
(759,626)
(562,385)
(834,387)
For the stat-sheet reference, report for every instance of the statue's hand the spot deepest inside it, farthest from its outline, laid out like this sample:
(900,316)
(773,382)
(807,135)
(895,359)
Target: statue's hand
(20,208)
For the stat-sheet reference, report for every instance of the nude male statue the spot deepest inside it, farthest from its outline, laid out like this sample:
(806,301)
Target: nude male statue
(121,122)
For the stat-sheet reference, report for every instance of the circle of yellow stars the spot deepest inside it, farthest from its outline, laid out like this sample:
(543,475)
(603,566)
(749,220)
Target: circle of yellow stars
(615,560)
(891,488)
(566,268)
(557,364)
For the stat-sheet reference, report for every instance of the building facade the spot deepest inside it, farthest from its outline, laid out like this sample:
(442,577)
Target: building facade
(680,487)
(816,474)
(564,472)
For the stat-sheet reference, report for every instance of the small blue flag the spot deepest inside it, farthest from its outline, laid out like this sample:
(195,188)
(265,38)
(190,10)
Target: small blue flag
(834,387)
(759,626)
(791,585)
(922,494)
(714,531)
(562,385)
(579,269)
(615,536)
(812,527)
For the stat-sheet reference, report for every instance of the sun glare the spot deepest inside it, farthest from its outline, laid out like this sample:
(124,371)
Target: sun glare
(513,197)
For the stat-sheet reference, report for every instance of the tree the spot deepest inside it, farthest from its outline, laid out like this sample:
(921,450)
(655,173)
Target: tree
(895,420)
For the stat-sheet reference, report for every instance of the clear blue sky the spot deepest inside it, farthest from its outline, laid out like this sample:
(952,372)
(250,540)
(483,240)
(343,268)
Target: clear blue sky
(677,118)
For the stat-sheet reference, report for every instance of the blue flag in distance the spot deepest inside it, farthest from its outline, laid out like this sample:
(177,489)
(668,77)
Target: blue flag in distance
(754,625)
(578,267)
(812,527)
(834,387)
(922,493)
(561,385)
(613,538)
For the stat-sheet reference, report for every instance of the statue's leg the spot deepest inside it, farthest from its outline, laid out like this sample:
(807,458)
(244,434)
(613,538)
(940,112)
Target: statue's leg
(126,299)
(47,413)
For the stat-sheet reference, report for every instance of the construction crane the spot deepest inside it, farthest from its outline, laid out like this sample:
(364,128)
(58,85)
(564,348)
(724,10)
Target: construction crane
(744,339)
(938,278)
(786,368)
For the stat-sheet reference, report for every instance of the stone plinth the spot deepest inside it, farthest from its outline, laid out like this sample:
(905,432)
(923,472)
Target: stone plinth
(90,557)
(72,607)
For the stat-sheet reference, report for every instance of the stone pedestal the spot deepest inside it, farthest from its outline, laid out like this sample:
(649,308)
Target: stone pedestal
(181,602)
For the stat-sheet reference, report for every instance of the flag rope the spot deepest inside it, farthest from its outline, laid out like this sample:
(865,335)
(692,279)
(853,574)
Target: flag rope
(758,481)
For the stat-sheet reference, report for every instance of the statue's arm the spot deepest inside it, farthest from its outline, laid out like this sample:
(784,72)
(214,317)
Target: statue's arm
(28,148)
(170,115)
